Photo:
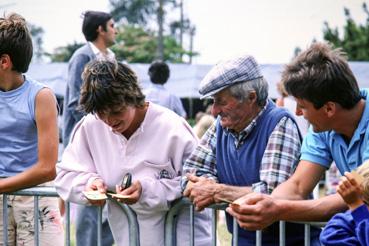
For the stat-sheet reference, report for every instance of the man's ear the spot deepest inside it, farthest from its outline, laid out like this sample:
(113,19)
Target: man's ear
(330,108)
(252,96)
(5,62)
(100,29)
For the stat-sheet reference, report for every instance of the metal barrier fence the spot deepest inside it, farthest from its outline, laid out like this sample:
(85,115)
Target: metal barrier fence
(170,221)
(37,192)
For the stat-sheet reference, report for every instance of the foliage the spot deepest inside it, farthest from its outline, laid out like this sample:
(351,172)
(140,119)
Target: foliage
(37,33)
(355,38)
(135,45)
(64,53)
(133,11)
(138,14)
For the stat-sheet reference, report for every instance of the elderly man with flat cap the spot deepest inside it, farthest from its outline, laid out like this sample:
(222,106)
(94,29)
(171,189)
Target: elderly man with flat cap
(252,147)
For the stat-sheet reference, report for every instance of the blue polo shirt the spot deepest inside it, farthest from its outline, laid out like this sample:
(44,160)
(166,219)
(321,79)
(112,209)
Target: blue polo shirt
(325,147)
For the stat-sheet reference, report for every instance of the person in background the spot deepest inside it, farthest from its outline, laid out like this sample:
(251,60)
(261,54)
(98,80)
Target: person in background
(289,103)
(203,121)
(328,96)
(352,227)
(122,133)
(28,140)
(99,31)
(252,147)
(159,74)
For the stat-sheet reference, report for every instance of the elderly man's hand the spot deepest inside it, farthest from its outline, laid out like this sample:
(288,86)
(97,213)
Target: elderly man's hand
(254,211)
(200,191)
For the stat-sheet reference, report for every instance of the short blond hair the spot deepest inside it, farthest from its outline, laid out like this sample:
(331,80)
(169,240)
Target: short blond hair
(363,170)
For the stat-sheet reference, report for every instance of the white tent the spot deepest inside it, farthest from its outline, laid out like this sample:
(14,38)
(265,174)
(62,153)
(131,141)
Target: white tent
(184,78)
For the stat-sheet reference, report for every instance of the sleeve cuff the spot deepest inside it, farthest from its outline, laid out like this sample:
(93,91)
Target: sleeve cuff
(361,213)
(260,187)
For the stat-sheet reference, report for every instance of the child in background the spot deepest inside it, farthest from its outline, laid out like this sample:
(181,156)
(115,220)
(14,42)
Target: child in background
(351,227)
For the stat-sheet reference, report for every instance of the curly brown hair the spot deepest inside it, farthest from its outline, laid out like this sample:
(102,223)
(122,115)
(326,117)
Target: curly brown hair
(108,86)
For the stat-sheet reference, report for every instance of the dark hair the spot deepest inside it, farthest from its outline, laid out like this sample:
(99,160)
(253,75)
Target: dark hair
(159,72)
(108,86)
(91,22)
(321,74)
(16,41)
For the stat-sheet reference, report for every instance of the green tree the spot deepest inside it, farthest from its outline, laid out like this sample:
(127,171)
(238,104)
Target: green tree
(135,45)
(64,53)
(141,12)
(354,39)
(37,33)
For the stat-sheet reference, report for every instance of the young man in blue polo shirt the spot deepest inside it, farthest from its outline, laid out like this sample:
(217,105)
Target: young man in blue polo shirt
(328,96)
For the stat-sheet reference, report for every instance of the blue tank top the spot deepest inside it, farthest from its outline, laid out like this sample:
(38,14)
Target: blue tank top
(18,130)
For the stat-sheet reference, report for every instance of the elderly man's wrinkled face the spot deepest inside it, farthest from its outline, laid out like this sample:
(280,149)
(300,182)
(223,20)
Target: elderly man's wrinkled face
(233,114)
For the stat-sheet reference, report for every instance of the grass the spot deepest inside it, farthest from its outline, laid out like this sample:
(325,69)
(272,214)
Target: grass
(224,237)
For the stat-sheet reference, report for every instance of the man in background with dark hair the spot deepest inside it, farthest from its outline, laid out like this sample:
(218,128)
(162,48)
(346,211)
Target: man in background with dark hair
(159,73)
(99,31)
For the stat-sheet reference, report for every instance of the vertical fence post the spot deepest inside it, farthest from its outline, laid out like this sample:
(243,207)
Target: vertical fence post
(5,219)
(307,235)
(36,219)
(214,227)
(67,223)
(99,226)
(282,233)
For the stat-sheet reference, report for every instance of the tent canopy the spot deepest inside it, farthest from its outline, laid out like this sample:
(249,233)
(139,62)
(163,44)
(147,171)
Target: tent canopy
(184,78)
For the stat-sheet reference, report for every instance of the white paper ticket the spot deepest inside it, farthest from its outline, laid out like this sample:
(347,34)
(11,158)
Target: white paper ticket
(115,195)
(95,195)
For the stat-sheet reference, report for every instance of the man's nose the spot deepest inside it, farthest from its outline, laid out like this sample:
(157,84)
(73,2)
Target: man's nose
(298,112)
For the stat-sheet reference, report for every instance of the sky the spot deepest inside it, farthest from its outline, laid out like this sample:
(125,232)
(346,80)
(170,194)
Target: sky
(270,30)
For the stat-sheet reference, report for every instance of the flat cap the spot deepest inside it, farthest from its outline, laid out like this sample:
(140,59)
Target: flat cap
(227,73)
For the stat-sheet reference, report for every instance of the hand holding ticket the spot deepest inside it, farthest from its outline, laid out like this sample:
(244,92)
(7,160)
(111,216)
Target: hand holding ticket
(116,195)
(94,195)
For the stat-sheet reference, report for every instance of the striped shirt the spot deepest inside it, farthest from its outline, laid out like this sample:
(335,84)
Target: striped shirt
(279,161)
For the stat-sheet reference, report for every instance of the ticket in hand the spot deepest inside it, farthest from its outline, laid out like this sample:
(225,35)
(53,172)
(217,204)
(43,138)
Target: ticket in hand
(115,195)
(94,195)
(236,202)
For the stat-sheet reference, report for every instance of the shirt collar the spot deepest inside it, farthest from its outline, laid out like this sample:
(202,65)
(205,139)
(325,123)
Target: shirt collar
(99,55)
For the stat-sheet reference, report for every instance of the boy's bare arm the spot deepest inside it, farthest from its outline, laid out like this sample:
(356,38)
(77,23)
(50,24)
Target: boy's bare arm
(47,131)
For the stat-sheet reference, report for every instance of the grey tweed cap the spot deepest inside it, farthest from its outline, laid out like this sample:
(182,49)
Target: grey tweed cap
(227,73)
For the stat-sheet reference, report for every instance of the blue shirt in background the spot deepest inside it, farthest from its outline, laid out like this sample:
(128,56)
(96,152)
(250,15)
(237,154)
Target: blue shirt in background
(158,94)
(324,147)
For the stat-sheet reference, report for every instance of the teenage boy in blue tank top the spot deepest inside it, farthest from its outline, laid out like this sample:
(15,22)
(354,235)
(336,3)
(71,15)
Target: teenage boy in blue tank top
(328,96)
(28,139)
(252,147)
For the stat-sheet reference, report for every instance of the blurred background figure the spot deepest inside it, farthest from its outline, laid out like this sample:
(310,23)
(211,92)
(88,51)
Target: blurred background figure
(289,103)
(159,74)
(203,121)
